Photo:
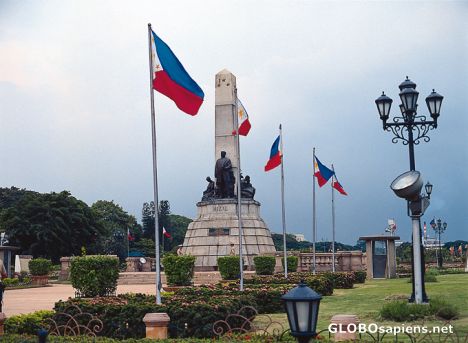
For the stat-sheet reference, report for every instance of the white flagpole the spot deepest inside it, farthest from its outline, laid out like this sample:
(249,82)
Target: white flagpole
(283,211)
(314,219)
(333,221)
(239,195)
(155,174)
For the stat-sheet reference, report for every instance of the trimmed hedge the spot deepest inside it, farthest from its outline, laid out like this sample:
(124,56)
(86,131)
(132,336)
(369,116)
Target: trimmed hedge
(228,267)
(264,265)
(179,269)
(39,266)
(293,262)
(122,315)
(318,283)
(94,275)
(26,323)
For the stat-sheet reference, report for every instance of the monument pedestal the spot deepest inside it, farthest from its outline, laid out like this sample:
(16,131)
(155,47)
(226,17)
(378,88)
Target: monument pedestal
(215,233)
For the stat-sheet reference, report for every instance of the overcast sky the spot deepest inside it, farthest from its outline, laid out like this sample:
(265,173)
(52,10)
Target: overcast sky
(75,115)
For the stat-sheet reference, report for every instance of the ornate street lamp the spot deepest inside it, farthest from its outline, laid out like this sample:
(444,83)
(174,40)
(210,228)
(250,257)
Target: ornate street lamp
(410,128)
(302,307)
(428,188)
(439,229)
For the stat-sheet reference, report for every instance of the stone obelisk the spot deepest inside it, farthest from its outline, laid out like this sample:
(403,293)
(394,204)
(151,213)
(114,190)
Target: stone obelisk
(215,231)
(225,110)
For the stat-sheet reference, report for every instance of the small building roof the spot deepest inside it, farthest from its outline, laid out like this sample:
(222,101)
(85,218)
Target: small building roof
(381,237)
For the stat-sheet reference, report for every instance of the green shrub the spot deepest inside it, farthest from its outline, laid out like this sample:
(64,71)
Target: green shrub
(228,267)
(8,282)
(264,265)
(360,276)
(26,323)
(443,309)
(432,271)
(39,266)
(402,311)
(341,280)
(94,275)
(179,269)
(293,262)
(430,278)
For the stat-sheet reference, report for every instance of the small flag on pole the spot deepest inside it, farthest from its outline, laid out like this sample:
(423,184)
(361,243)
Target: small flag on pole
(244,123)
(129,236)
(322,173)
(165,233)
(171,79)
(337,185)
(275,156)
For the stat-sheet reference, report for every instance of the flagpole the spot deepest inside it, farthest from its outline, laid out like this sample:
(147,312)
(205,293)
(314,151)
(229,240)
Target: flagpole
(155,175)
(162,242)
(283,212)
(239,194)
(314,219)
(333,222)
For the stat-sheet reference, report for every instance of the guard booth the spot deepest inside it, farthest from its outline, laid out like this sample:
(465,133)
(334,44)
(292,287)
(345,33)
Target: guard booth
(380,256)
(7,257)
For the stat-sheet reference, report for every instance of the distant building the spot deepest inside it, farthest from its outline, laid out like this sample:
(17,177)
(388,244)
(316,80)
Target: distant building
(431,243)
(299,237)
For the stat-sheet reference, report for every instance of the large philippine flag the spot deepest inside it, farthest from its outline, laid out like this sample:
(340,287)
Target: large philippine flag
(244,123)
(171,79)
(322,173)
(275,156)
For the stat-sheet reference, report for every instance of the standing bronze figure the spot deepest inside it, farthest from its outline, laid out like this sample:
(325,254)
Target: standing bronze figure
(224,176)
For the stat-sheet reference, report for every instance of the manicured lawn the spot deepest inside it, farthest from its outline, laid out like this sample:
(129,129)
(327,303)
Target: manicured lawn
(365,300)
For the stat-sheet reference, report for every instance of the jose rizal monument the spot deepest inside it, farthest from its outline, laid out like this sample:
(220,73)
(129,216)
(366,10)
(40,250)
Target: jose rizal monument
(215,230)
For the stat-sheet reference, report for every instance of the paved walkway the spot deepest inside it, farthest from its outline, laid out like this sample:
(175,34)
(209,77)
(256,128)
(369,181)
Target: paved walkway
(28,300)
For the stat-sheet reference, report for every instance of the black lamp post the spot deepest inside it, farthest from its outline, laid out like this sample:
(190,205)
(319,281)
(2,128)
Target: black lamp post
(302,307)
(439,229)
(410,128)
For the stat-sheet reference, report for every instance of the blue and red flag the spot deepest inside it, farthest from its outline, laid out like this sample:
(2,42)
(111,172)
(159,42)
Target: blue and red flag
(322,173)
(171,79)
(337,185)
(275,156)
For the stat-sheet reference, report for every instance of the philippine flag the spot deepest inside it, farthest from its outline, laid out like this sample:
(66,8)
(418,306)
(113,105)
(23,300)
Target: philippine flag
(171,79)
(322,173)
(275,156)
(337,185)
(165,233)
(244,123)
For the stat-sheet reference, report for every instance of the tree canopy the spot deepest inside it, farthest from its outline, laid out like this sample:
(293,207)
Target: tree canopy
(48,225)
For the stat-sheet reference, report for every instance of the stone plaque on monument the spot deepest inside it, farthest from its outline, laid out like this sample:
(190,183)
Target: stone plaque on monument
(215,231)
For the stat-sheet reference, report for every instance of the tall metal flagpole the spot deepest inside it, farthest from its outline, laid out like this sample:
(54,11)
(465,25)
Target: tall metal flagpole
(314,220)
(283,214)
(239,195)
(155,174)
(333,221)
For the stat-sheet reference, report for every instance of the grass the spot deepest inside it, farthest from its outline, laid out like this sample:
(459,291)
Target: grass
(365,301)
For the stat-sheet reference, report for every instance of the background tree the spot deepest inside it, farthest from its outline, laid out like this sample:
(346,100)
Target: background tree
(116,223)
(51,225)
